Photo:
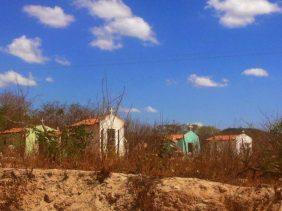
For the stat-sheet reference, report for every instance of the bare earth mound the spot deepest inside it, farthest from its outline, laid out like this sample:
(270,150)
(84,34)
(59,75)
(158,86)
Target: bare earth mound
(80,190)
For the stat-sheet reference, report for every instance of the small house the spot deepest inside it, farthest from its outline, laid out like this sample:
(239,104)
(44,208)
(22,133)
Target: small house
(243,142)
(189,143)
(107,133)
(24,138)
(237,142)
(169,146)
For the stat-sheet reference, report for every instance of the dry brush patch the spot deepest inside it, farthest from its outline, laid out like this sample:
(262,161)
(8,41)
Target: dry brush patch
(144,146)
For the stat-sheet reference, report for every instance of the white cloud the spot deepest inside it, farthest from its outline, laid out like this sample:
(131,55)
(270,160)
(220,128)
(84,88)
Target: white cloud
(11,77)
(62,61)
(205,81)
(105,43)
(239,13)
(170,82)
(119,21)
(130,110)
(52,17)
(105,9)
(257,72)
(150,109)
(27,49)
(49,80)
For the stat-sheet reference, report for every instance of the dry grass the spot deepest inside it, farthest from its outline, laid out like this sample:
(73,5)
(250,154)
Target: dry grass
(223,167)
(144,144)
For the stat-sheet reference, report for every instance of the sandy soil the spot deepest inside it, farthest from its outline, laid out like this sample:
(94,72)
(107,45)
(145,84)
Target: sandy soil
(80,190)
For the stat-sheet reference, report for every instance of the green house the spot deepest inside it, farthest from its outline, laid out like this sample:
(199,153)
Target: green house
(26,138)
(190,143)
(31,142)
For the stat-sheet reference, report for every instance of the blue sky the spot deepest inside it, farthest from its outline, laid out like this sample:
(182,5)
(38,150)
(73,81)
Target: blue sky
(216,62)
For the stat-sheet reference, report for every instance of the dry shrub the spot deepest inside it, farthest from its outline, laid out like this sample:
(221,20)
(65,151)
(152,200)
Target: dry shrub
(144,158)
(143,148)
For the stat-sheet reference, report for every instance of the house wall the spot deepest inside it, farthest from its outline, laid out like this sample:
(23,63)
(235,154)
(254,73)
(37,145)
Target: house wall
(243,143)
(189,138)
(16,140)
(92,137)
(192,138)
(214,147)
(113,122)
(31,146)
(94,141)
(94,130)
(31,142)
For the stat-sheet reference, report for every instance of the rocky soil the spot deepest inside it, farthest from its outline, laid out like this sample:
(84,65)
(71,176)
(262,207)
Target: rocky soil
(81,190)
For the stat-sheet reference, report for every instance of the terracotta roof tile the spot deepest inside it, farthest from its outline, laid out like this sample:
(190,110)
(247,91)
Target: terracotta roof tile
(11,131)
(86,122)
(222,138)
(175,137)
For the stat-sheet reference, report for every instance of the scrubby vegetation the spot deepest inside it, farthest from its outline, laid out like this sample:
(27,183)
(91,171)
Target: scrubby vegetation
(144,147)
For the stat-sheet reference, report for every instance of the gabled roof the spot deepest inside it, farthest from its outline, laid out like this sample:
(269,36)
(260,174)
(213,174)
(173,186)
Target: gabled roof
(93,121)
(230,137)
(44,128)
(12,131)
(86,122)
(175,137)
(191,135)
(20,130)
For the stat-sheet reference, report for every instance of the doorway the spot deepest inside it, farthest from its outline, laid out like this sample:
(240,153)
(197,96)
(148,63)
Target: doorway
(111,140)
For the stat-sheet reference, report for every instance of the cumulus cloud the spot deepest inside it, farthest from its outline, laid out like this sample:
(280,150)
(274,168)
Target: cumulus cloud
(205,81)
(105,9)
(104,42)
(150,109)
(239,13)
(52,17)
(11,77)
(49,79)
(119,21)
(170,82)
(27,49)
(257,72)
(130,110)
(62,61)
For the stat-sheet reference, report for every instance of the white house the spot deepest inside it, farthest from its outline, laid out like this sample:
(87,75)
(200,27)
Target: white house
(243,143)
(108,132)
(240,143)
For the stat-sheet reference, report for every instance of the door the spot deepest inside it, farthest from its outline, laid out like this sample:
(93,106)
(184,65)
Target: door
(111,140)
(190,148)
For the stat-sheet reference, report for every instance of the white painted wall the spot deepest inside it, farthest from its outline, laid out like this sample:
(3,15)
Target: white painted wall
(113,122)
(243,141)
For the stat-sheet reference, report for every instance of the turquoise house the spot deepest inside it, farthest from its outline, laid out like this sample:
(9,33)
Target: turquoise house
(190,143)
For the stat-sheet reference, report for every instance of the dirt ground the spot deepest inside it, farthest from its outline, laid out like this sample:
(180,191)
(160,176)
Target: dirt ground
(80,190)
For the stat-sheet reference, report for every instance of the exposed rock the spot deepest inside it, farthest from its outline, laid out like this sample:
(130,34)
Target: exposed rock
(81,190)
(47,199)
